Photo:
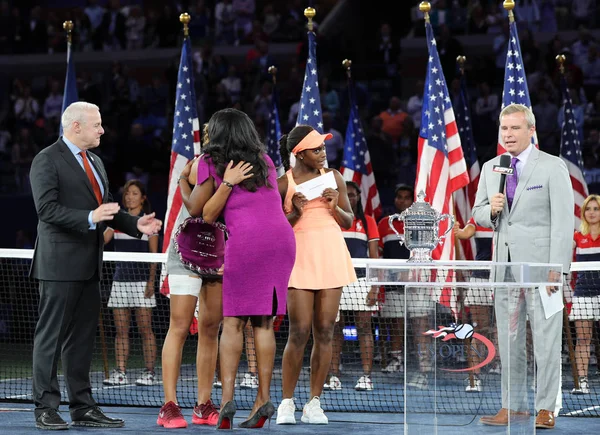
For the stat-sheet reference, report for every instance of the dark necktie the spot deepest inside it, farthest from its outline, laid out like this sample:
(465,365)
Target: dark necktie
(91,177)
(511,182)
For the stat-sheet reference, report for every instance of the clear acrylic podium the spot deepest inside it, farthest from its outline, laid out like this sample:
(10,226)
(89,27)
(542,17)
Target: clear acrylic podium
(454,370)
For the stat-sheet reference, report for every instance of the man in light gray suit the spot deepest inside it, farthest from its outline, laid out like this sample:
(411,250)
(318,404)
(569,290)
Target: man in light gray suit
(533,223)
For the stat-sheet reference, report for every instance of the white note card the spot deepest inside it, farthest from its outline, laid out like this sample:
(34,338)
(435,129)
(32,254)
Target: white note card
(312,189)
(551,304)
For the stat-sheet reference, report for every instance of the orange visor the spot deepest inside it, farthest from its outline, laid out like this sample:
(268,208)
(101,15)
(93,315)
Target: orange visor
(312,140)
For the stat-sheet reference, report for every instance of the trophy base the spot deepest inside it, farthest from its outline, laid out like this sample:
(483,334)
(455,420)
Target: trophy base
(420,255)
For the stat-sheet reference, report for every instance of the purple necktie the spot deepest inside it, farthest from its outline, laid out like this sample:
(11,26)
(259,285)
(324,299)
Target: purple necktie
(511,182)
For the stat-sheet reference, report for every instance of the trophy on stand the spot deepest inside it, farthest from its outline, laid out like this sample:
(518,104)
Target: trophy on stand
(421,229)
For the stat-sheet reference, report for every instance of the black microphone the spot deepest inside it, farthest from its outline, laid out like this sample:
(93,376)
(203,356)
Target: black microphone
(504,169)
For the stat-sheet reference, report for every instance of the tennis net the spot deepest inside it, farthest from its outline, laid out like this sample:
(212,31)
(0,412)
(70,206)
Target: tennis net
(392,337)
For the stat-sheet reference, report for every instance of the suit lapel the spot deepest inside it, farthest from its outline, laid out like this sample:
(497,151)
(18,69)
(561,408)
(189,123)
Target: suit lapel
(526,174)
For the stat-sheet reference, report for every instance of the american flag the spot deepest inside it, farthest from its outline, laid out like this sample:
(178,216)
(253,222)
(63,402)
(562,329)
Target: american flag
(70,94)
(274,133)
(570,152)
(186,137)
(515,82)
(465,198)
(310,101)
(356,165)
(441,167)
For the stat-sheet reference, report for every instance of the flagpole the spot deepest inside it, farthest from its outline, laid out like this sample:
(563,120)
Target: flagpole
(310,13)
(460,60)
(560,59)
(509,5)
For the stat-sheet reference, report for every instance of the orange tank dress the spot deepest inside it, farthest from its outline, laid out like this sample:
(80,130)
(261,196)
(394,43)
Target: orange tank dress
(322,257)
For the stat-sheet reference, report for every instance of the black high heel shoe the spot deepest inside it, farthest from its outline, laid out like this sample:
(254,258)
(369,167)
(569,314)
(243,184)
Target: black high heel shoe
(226,416)
(263,414)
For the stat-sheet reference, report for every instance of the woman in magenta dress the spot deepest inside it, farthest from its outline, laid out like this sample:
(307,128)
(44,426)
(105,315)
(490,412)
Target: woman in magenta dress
(238,180)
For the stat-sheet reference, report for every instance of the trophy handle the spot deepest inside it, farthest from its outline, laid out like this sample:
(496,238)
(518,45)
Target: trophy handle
(391,220)
(446,216)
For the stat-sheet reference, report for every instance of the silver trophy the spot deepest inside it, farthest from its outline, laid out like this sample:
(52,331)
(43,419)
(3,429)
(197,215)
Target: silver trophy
(421,229)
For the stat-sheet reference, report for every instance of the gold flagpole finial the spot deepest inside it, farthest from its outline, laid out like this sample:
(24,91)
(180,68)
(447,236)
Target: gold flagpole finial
(425,7)
(185,20)
(560,59)
(273,71)
(509,5)
(310,13)
(347,64)
(461,63)
(68,26)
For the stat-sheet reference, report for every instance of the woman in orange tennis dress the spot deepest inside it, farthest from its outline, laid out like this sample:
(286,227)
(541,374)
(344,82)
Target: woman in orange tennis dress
(323,266)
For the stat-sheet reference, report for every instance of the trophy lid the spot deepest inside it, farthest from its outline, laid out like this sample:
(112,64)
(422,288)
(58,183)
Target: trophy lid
(421,210)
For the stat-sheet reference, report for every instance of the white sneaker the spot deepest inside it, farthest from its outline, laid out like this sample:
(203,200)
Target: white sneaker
(334,384)
(313,413)
(117,377)
(476,388)
(394,366)
(495,369)
(364,384)
(146,379)
(249,381)
(285,412)
(584,386)
(218,384)
(419,381)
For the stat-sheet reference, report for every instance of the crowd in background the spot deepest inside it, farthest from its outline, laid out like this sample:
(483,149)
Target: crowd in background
(138,108)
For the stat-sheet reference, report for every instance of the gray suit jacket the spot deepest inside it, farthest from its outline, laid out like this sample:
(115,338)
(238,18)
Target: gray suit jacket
(65,248)
(539,226)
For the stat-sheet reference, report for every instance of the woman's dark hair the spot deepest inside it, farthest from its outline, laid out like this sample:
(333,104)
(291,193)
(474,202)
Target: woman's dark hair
(146,207)
(288,142)
(234,137)
(360,212)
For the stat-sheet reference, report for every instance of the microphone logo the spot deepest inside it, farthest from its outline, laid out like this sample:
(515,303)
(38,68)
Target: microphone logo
(507,170)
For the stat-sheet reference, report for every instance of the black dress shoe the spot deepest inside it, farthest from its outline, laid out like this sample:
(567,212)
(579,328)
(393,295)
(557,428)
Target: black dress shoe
(96,418)
(50,420)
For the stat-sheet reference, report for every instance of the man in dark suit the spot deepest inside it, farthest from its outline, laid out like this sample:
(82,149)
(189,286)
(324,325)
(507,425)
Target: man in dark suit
(70,191)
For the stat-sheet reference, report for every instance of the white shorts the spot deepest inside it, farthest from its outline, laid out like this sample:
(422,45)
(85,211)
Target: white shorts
(420,303)
(130,295)
(479,295)
(585,308)
(182,285)
(354,297)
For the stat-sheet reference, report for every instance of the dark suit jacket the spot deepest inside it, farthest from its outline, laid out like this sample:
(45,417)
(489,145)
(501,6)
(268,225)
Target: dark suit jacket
(65,248)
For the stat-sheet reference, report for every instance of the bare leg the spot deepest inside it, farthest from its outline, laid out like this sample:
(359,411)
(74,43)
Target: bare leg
(181,313)
(338,342)
(300,313)
(365,339)
(582,350)
(122,318)
(209,320)
(230,350)
(264,339)
(143,317)
(481,315)
(396,333)
(327,303)
(250,348)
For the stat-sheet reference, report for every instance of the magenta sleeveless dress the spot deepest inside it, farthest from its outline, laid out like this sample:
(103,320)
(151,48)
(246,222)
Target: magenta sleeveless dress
(260,251)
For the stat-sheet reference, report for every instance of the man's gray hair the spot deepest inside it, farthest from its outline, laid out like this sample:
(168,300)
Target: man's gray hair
(75,113)
(519,108)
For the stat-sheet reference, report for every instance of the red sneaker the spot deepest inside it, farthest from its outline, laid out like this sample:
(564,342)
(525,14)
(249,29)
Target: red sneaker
(205,413)
(170,416)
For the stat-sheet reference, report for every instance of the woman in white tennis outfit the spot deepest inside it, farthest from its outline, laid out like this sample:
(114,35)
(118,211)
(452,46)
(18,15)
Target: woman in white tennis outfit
(133,289)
